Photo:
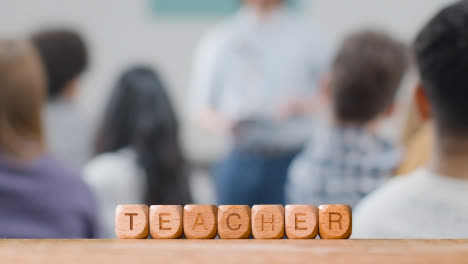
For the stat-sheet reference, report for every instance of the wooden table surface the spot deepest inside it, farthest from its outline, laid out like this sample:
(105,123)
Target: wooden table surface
(233,251)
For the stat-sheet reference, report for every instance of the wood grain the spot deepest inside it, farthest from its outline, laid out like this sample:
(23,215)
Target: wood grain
(200,221)
(131,221)
(335,221)
(301,221)
(166,221)
(268,221)
(234,221)
(244,251)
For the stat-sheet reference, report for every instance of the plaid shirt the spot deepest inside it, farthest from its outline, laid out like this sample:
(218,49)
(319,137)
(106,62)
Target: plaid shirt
(340,165)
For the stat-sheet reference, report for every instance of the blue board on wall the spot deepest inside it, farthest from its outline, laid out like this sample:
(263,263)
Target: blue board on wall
(198,7)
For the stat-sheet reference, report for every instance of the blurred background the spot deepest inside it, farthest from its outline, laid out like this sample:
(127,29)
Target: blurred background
(164,34)
(120,33)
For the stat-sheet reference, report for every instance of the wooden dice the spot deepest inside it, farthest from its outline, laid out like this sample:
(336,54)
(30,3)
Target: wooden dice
(301,221)
(335,221)
(200,221)
(268,221)
(166,221)
(234,221)
(131,221)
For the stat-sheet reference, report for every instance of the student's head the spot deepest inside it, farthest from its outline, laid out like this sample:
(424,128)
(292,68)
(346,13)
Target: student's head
(441,51)
(22,94)
(365,75)
(140,116)
(263,5)
(65,58)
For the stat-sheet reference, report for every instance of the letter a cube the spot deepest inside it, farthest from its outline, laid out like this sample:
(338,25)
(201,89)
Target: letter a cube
(200,221)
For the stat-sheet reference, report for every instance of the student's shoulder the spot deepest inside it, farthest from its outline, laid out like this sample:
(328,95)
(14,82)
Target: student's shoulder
(381,208)
(302,167)
(64,177)
(305,154)
(56,167)
(394,191)
(113,161)
(110,167)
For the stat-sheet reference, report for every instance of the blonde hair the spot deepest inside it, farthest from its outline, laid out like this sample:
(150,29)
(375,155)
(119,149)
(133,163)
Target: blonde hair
(22,95)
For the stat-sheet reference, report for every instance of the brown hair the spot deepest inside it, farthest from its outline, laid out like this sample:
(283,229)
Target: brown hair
(64,55)
(22,95)
(366,74)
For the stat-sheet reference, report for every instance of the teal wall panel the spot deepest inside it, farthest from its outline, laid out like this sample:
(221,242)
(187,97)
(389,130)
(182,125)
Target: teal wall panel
(198,7)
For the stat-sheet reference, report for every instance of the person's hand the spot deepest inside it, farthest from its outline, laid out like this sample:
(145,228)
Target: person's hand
(216,122)
(308,104)
(291,108)
(298,107)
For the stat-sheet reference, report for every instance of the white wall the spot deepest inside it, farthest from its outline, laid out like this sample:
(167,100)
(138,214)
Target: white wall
(121,32)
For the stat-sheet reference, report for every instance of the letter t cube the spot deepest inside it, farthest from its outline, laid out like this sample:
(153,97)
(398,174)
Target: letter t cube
(131,221)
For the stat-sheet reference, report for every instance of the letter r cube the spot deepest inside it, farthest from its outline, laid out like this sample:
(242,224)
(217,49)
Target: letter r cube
(335,221)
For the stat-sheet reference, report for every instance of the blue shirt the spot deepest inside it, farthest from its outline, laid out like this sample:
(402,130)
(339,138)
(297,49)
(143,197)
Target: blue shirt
(341,165)
(43,199)
(247,69)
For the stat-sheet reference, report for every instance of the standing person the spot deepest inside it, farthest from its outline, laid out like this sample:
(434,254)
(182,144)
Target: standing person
(251,75)
(39,198)
(431,202)
(139,159)
(65,57)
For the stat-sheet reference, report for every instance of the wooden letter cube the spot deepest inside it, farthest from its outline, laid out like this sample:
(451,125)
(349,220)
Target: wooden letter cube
(131,221)
(301,221)
(268,221)
(200,221)
(335,221)
(234,221)
(166,221)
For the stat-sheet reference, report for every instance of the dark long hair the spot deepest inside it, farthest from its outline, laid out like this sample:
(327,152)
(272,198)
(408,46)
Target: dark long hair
(140,116)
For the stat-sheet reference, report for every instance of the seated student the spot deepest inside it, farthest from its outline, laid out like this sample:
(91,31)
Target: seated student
(39,198)
(64,56)
(139,158)
(431,202)
(346,158)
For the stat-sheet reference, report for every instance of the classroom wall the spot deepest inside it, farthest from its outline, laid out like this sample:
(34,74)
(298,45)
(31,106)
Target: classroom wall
(123,32)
